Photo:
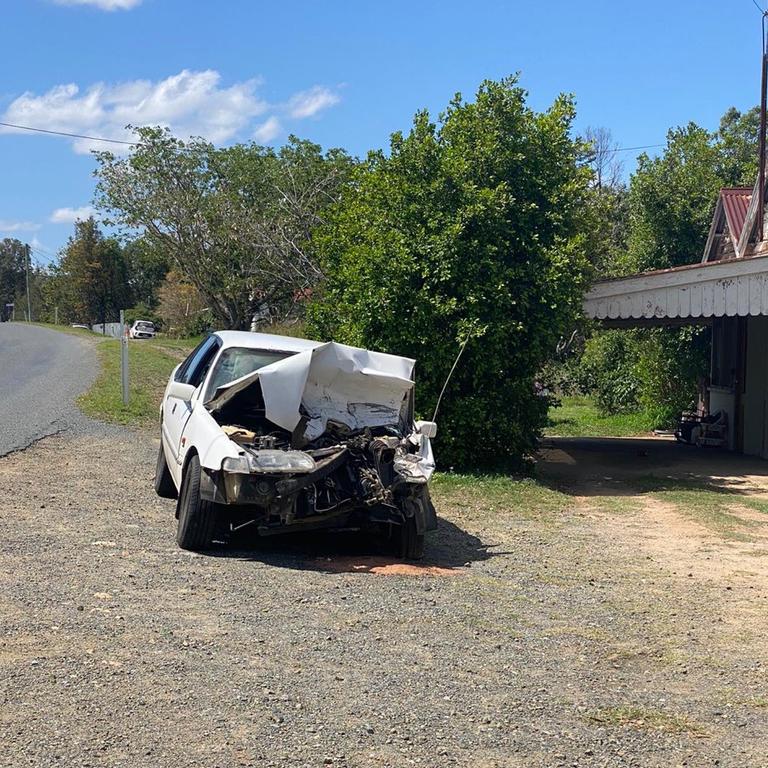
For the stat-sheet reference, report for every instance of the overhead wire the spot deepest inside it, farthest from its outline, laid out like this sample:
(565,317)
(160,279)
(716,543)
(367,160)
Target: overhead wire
(124,143)
(69,135)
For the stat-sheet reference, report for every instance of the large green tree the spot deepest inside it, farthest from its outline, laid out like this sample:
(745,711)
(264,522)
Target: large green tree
(12,261)
(147,267)
(91,278)
(236,222)
(467,235)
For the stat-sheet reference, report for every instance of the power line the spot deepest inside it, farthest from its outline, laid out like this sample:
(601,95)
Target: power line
(70,135)
(633,149)
(139,144)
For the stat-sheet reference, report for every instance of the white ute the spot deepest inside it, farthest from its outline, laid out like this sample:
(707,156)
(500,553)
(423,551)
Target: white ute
(287,434)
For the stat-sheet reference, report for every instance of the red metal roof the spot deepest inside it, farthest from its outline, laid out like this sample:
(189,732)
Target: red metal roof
(735,204)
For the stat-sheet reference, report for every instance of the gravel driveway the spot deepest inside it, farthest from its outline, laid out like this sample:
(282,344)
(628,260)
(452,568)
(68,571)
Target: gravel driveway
(568,638)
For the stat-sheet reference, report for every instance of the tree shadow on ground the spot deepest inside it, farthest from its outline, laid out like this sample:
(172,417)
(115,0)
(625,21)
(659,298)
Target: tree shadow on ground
(632,466)
(448,550)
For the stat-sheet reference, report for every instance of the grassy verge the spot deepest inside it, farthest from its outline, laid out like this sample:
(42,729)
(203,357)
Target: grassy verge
(66,329)
(480,495)
(149,364)
(580,417)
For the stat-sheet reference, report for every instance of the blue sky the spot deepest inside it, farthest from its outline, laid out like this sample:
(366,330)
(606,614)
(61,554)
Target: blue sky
(341,73)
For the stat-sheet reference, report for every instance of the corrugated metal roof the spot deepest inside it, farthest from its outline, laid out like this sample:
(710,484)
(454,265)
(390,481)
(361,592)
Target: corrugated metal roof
(735,204)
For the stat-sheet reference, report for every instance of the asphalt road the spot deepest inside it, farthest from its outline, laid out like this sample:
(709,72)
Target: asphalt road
(41,374)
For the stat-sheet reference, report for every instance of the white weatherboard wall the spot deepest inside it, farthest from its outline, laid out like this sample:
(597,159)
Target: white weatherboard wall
(735,288)
(756,390)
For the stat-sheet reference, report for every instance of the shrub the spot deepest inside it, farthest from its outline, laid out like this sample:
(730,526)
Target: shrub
(468,235)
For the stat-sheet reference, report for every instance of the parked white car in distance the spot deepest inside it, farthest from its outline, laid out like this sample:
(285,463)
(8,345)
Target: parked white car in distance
(142,329)
(284,434)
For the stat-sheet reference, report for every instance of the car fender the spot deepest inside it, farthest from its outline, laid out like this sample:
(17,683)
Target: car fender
(204,434)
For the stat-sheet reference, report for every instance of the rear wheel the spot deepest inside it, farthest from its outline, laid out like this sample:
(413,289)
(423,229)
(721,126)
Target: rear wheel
(197,517)
(163,481)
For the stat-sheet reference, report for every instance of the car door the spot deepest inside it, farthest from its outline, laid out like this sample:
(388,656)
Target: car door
(177,410)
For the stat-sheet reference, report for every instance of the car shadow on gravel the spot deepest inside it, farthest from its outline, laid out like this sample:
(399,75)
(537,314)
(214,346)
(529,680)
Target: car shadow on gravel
(448,550)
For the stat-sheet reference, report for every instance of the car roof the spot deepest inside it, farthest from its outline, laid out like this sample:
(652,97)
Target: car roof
(268,341)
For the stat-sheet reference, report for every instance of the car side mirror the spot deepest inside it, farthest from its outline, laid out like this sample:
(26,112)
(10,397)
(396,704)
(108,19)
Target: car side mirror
(181,390)
(426,428)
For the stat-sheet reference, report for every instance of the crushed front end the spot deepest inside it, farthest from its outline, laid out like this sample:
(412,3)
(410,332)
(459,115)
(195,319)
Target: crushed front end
(327,441)
(374,478)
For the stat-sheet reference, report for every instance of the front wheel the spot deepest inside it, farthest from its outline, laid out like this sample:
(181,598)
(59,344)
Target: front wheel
(197,517)
(409,543)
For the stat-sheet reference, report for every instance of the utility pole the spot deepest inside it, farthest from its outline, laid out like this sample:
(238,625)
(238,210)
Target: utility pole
(29,303)
(763,105)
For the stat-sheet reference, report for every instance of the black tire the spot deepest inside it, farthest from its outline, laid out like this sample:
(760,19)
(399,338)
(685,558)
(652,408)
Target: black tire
(197,517)
(409,543)
(164,486)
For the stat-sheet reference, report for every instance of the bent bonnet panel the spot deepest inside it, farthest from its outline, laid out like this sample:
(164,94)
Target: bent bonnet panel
(355,386)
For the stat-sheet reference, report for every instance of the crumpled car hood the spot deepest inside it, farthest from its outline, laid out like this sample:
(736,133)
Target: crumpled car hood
(354,386)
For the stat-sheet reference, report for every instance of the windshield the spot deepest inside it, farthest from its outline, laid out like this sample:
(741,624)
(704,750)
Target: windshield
(145,326)
(236,362)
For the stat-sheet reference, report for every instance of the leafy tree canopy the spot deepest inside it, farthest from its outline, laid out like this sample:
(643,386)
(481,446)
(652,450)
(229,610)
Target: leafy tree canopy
(90,282)
(235,221)
(673,196)
(670,205)
(12,261)
(470,231)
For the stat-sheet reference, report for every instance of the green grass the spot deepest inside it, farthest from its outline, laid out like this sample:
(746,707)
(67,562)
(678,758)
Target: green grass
(484,494)
(149,364)
(66,329)
(713,505)
(647,719)
(580,417)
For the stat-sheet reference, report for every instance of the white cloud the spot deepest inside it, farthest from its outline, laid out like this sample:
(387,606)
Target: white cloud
(190,104)
(104,5)
(268,130)
(71,215)
(18,226)
(309,103)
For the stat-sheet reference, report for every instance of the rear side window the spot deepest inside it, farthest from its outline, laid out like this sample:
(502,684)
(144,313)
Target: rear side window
(194,368)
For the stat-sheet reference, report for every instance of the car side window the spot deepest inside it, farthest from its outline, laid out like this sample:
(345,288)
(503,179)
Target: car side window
(198,371)
(194,367)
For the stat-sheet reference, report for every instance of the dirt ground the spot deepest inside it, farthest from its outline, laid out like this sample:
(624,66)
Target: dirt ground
(621,623)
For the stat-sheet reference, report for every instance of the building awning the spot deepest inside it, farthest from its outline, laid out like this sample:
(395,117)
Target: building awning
(733,288)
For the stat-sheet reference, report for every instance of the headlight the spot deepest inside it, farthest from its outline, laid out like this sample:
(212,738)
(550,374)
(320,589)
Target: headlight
(270,462)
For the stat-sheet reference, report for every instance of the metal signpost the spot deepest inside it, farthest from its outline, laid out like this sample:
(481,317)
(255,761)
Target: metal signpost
(124,356)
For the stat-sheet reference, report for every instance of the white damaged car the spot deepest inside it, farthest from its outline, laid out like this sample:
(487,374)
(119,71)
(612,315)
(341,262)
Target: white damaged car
(287,434)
